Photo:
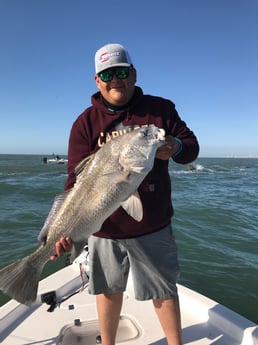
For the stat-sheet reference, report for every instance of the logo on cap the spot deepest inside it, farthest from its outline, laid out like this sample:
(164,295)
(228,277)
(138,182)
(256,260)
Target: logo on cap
(106,56)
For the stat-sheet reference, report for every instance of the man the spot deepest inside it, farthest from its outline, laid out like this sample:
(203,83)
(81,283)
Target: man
(148,246)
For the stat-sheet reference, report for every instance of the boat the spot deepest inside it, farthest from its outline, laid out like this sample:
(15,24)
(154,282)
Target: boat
(65,314)
(55,160)
(191,167)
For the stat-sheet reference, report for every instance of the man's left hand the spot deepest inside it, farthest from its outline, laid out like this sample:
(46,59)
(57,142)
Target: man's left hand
(166,151)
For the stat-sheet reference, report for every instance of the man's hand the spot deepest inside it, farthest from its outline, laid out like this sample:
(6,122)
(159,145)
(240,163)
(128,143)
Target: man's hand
(166,151)
(65,244)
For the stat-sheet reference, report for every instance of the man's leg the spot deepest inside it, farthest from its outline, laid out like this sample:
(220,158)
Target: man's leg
(168,312)
(109,308)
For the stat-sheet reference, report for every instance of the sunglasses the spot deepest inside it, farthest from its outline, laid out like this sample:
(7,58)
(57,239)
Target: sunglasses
(120,72)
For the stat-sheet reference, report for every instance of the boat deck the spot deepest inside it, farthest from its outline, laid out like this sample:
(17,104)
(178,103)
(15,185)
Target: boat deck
(75,321)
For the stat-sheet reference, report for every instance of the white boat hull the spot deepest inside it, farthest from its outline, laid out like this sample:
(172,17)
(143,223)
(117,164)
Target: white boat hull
(75,321)
(55,161)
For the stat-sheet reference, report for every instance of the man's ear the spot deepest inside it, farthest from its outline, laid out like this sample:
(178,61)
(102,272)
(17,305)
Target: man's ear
(134,73)
(97,80)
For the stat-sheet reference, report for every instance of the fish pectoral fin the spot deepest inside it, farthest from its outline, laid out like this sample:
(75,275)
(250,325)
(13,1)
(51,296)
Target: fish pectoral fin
(133,206)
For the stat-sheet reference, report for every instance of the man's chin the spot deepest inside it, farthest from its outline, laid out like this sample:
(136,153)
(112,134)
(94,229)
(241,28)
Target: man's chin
(118,98)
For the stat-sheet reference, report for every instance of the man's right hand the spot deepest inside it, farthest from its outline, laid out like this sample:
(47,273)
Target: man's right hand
(62,246)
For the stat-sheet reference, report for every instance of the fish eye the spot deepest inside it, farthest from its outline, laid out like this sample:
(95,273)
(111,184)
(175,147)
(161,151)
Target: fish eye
(144,132)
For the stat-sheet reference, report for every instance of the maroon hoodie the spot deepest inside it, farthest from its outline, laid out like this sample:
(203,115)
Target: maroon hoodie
(97,124)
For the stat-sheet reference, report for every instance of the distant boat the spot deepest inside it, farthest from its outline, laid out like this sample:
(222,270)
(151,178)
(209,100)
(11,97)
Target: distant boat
(55,160)
(191,167)
(197,167)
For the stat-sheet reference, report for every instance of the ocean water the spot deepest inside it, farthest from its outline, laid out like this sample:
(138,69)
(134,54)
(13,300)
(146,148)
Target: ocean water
(215,222)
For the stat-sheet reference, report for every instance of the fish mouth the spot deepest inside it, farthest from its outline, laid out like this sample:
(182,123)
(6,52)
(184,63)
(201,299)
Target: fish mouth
(160,136)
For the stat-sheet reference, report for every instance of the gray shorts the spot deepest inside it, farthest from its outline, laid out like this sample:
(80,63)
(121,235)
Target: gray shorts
(152,259)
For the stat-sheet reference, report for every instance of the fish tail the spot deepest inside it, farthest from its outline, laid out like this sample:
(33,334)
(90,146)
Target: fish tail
(20,281)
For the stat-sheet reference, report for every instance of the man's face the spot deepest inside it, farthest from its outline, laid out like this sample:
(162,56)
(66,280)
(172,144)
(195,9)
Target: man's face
(117,92)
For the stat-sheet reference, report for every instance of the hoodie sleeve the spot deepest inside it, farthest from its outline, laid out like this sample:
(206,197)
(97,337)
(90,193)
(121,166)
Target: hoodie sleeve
(189,148)
(78,149)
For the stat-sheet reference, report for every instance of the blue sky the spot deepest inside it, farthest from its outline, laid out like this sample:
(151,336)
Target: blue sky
(201,54)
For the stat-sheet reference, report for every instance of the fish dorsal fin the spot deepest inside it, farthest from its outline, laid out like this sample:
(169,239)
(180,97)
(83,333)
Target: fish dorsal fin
(133,206)
(57,204)
(85,162)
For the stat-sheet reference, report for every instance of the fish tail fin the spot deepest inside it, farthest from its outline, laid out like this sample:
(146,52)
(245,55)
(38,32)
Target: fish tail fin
(20,281)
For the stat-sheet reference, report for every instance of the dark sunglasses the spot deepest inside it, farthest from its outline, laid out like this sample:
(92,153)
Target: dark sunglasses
(120,72)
